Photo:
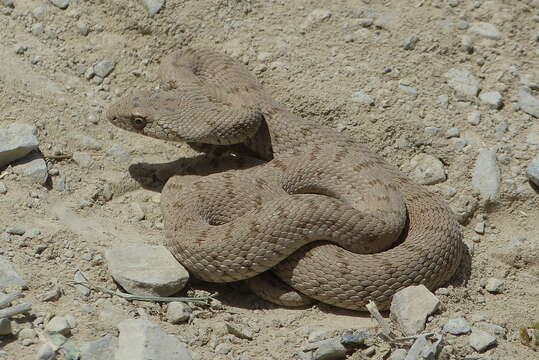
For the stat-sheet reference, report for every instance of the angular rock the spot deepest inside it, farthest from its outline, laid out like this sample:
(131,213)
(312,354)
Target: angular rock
(178,312)
(62,4)
(486,175)
(59,324)
(146,270)
(474,118)
(144,340)
(493,99)
(9,276)
(494,286)
(463,82)
(427,170)
(330,349)
(33,167)
(16,141)
(532,172)
(5,327)
(528,103)
(104,68)
(485,30)
(411,306)
(153,6)
(100,349)
(423,349)
(457,326)
(481,341)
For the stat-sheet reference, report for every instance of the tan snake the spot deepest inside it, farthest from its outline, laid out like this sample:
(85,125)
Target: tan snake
(329,217)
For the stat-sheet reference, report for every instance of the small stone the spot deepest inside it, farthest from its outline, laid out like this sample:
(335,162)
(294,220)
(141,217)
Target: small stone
(240,330)
(21,49)
(481,341)
(431,131)
(37,29)
(452,133)
(9,276)
(410,42)
(143,340)
(408,90)
(119,153)
(16,141)
(101,349)
(492,328)
(330,349)
(467,43)
(479,228)
(40,12)
(424,349)
(153,6)
(82,159)
(33,168)
(493,99)
(146,270)
(474,118)
(397,354)
(528,103)
(5,327)
(83,28)
(443,100)
(80,277)
(3,188)
(59,324)
(485,30)
(486,175)
(463,82)
(27,342)
(8,3)
(315,17)
(26,333)
(411,306)
(88,143)
(15,231)
(46,352)
(62,4)
(104,68)
(457,326)
(362,98)
(532,171)
(494,286)
(178,312)
(137,212)
(427,170)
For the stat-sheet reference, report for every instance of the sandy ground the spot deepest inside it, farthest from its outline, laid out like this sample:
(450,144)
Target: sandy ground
(313,56)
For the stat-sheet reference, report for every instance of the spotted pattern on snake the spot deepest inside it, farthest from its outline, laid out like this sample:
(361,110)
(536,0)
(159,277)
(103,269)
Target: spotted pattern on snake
(326,215)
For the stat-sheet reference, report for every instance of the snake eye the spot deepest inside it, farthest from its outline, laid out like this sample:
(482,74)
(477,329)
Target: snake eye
(138,122)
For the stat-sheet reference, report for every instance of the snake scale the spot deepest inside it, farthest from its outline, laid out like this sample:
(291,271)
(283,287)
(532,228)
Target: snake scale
(325,214)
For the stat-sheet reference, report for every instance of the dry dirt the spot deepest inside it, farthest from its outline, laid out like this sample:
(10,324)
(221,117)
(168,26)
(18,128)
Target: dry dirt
(314,66)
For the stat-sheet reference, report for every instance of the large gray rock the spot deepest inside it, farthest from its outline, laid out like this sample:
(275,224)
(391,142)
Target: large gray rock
(8,275)
(33,168)
(146,270)
(100,349)
(144,340)
(411,306)
(16,140)
(486,175)
(463,82)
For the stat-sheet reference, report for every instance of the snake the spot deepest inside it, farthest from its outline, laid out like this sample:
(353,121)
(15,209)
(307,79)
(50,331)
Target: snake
(318,211)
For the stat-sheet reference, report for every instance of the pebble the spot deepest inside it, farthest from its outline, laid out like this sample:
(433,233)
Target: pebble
(424,349)
(80,277)
(178,312)
(452,132)
(46,352)
(86,142)
(457,326)
(532,171)
(101,349)
(330,349)
(119,153)
(5,327)
(40,12)
(427,170)
(528,103)
(362,98)
(494,286)
(474,118)
(223,348)
(15,231)
(153,6)
(9,276)
(62,4)
(16,141)
(315,17)
(411,306)
(32,167)
(8,3)
(26,334)
(492,328)
(485,30)
(146,270)
(443,100)
(467,43)
(3,188)
(82,159)
(408,90)
(60,324)
(463,82)
(240,330)
(137,212)
(104,68)
(493,99)
(397,354)
(37,29)
(481,341)
(410,42)
(480,228)
(431,131)
(142,339)
(486,174)
(83,28)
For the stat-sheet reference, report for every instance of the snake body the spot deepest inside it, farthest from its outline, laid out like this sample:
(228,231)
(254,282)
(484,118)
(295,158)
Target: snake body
(325,214)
